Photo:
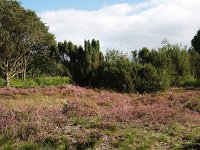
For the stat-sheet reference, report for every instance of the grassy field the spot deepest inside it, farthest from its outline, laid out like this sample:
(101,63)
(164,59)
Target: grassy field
(71,117)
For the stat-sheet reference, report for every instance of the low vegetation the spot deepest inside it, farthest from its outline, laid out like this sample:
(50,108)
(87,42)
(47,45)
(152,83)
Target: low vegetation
(40,109)
(71,117)
(38,82)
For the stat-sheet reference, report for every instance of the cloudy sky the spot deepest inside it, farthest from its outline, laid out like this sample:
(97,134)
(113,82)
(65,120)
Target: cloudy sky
(120,24)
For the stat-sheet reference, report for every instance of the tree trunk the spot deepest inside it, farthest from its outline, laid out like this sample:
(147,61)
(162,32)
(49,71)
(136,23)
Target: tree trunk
(7,80)
(24,75)
(24,71)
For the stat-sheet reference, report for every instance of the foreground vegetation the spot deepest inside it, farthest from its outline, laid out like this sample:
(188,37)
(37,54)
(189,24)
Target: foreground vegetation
(71,117)
(39,110)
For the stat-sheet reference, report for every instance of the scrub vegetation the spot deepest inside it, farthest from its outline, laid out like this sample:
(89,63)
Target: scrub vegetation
(63,96)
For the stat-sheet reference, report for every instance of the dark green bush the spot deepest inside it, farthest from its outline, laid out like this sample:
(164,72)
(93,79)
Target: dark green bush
(117,79)
(151,80)
(120,74)
(115,73)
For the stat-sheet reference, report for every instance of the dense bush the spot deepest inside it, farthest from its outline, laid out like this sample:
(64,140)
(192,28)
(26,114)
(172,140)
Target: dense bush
(151,80)
(115,78)
(174,59)
(119,73)
(115,73)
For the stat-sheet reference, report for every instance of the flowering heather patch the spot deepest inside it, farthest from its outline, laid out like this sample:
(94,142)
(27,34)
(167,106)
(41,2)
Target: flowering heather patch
(46,115)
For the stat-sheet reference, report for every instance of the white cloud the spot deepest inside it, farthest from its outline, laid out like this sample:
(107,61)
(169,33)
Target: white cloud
(128,27)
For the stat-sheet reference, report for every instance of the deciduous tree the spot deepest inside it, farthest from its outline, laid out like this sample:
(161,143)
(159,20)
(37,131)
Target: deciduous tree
(22,34)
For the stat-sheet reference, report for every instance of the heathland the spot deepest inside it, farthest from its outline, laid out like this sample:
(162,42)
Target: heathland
(71,117)
(60,96)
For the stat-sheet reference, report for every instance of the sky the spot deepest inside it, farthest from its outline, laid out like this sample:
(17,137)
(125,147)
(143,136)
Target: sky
(125,25)
(44,5)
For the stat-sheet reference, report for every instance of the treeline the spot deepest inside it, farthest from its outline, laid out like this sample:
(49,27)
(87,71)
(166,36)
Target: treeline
(28,50)
(144,71)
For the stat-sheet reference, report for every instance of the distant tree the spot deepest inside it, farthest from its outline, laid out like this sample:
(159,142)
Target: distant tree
(143,55)
(22,34)
(134,56)
(175,59)
(196,42)
(82,63)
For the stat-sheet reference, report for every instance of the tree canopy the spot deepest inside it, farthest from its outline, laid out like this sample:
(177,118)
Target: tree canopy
(22,34)
(82,63)
(28,49)
(196,42)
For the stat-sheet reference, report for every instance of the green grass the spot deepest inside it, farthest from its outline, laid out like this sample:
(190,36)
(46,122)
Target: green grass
(1,82)
(52,81)
(190,81)
(38,82)
(175,137)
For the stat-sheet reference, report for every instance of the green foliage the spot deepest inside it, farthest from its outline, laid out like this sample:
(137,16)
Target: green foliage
(38,82)
(119,73)
(195,63)
(196,42)
(52,81)
(28,49)
(175,59)
(28,146)
(45,63)
(115,73)
(2,82)
(144,55)
(190,81)
(22,35)
(26,83)
(82,63)
(150,80)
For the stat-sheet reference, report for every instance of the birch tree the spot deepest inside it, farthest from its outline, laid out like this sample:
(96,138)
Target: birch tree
(22,35)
